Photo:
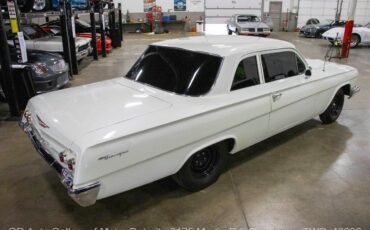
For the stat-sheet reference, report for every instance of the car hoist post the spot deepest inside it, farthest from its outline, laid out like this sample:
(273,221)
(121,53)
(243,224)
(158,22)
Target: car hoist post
(102,29)
(93,32)
(65,36)
(6,71)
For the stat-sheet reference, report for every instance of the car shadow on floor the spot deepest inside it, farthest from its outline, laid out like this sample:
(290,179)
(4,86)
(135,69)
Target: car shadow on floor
(125,205)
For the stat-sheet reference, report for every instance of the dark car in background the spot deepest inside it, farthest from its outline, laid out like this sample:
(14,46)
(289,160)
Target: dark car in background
(48,70)
(312,21)
(316,30)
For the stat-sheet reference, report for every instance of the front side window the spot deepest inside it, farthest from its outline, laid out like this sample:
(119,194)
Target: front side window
(281,65)
(246,74)
(175,70)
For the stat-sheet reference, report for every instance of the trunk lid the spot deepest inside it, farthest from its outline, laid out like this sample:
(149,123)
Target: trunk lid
(79,110)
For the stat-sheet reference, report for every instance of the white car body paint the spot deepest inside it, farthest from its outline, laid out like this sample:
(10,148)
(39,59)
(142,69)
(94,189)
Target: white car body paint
(126,134)
(338,32)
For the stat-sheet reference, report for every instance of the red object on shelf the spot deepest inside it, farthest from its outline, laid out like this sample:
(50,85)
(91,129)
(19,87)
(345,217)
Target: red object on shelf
(108,41)
(347,38)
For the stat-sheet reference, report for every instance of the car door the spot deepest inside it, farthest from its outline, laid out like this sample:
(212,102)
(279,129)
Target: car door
(251,102)
(292,99)
(366,34)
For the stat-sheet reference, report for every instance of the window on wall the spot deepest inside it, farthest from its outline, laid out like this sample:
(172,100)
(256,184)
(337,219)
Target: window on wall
(246,75)
(281,65)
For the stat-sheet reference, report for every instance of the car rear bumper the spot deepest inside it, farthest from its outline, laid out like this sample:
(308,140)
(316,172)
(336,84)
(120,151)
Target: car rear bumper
(83,53)
(84,196)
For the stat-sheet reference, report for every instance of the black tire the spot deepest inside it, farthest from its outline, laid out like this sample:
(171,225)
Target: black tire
(237,32)
(203,168)
(25,5)
(41,5)
(229,32)
(355,40)
(334,109)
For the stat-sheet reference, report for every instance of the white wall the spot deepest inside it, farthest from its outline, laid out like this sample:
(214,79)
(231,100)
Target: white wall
(288,5)
(137,6)
(316,9)
(362,15)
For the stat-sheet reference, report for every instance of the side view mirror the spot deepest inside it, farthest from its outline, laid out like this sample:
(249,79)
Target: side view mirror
(308,72)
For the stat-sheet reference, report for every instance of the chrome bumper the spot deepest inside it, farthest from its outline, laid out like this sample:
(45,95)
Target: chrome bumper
(354,89)
(84,196)
(82,54)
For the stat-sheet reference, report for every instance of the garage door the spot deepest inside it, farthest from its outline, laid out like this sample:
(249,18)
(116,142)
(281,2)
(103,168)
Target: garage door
(362,15)
(219,11)
(316,9)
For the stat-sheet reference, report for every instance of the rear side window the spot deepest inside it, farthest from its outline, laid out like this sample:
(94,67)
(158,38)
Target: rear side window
(281,65)
(246,74)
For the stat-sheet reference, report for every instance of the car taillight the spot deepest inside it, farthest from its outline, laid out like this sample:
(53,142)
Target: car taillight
(71,164)
(62,156)
(68,158)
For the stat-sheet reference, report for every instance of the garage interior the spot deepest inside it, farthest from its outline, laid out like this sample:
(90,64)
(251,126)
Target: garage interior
(312,176)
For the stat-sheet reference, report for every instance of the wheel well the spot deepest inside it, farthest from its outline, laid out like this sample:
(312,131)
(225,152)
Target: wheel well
(346,89)
(359,37)
(230,143)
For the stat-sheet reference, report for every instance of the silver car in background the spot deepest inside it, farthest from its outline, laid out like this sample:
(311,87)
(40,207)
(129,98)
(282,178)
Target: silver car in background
(247,24)
(37,38)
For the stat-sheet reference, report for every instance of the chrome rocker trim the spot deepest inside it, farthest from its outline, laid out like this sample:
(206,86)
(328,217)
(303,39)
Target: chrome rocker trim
(84,196)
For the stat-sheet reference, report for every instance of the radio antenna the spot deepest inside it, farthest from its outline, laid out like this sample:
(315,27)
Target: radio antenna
(329,53)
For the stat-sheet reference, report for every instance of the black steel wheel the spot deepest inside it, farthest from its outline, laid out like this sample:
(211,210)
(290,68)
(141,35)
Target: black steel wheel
(203,168)
(334,109)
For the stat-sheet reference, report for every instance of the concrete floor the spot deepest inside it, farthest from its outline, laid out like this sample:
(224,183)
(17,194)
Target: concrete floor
(310,176)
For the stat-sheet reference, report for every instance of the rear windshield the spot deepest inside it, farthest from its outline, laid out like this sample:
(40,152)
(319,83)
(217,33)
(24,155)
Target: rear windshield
(175,70)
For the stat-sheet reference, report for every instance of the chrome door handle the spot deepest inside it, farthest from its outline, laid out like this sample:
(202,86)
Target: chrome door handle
(276,96)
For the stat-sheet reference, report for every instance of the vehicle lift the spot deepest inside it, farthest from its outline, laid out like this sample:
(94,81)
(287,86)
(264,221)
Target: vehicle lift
(18,89)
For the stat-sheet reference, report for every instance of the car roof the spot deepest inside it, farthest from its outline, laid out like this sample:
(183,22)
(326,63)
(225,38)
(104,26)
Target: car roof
(224,45)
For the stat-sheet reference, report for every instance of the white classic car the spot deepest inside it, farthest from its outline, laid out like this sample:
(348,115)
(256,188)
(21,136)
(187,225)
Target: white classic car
(182,108)
(37,39)
(246,24)
(360,34)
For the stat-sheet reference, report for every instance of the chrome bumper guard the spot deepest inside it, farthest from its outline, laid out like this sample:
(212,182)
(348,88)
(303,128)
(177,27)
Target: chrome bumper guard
(355,89)
(84,196)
